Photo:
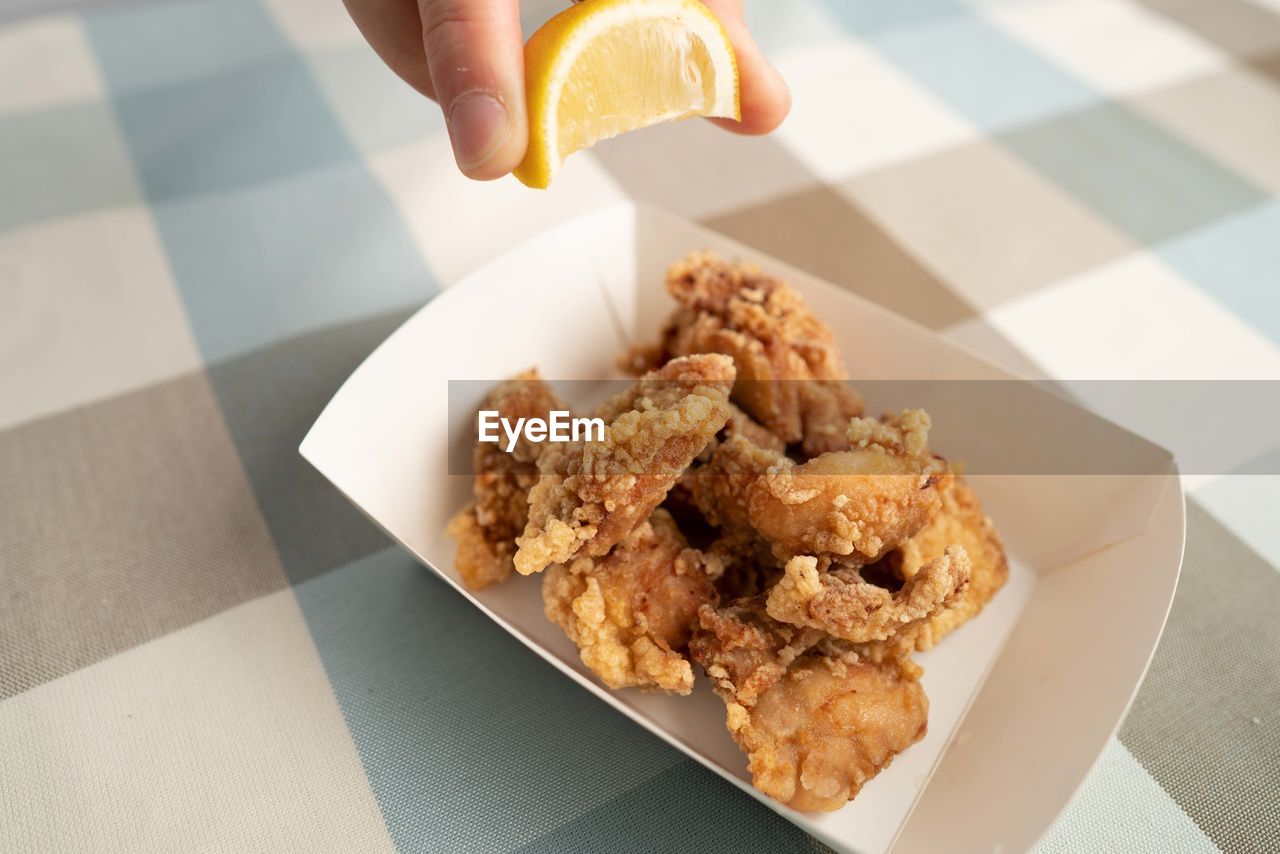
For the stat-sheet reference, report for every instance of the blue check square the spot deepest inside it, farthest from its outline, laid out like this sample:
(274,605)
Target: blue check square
(258,265)
(1238,261)
(159,44)
(1132,172)
(62,160)
(981,72)
(250,126)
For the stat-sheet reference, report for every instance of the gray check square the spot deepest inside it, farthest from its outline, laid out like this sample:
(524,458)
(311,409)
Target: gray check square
(1133,172)
(121,522)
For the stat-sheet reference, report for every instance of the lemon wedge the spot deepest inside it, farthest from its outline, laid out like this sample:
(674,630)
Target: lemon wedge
(605,67)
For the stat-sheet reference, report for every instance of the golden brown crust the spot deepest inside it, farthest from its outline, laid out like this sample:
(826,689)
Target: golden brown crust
(826,406)
(482,559)
(815,720)
(486,529)
(842,604)
(855,504)
(719,488)
(744,650)
(961,521)
(742,424)
(828,726)
(760,305)
(776,342)
(592,494)
(631,613)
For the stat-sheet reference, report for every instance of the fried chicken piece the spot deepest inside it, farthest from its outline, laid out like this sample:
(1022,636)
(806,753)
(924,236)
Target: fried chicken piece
(960,522)
(855,504)
(691,517)
(485,529)
(719,488)
(754,302)
(827,407)
(742,424)
(592,494)
(632,611)
(815,720)
(830,725)
(749,567)
(481,559)
(776,342)
(744,650)
(845,606)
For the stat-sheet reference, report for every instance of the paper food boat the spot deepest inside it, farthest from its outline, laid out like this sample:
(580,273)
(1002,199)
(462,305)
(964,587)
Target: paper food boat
(1022,699)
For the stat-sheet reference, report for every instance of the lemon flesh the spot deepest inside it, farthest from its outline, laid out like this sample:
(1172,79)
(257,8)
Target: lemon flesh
(605,67)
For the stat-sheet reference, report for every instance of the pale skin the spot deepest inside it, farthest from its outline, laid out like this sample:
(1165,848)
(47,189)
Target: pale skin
(468,56)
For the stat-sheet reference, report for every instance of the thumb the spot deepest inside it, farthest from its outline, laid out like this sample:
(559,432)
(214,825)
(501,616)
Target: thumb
(476,59)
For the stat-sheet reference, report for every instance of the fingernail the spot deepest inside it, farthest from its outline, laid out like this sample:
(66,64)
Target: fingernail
(478,127)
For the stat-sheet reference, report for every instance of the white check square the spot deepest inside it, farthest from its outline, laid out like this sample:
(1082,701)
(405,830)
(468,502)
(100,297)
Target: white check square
(94,313)
(44,62)
(1117,47)
(852,112)
(312,26)
(438,204)
(1141,321)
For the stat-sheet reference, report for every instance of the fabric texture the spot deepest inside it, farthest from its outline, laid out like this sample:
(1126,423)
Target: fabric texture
(212,210)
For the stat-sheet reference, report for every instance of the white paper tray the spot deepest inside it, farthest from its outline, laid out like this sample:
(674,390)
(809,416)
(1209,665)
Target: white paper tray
(1022,699)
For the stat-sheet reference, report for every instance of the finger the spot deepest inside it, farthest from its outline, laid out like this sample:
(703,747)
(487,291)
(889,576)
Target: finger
(392,28)
(476,59)
(766,100)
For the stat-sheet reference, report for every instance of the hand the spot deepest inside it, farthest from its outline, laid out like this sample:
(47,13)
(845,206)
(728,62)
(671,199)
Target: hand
(468,56)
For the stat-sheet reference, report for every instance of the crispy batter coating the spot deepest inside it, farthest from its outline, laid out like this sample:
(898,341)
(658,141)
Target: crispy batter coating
(719,488)
(830,725)
(962,522)
(744,650)
(815,720)
(485,529)
(591,494)
(631,612)
(749,567)
(751,301)
(776,342)
(481,559)
(855,504)
(742,424)
(845,606)
(827,407)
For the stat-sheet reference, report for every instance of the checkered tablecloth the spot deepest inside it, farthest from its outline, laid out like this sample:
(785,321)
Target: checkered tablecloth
(212,210)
